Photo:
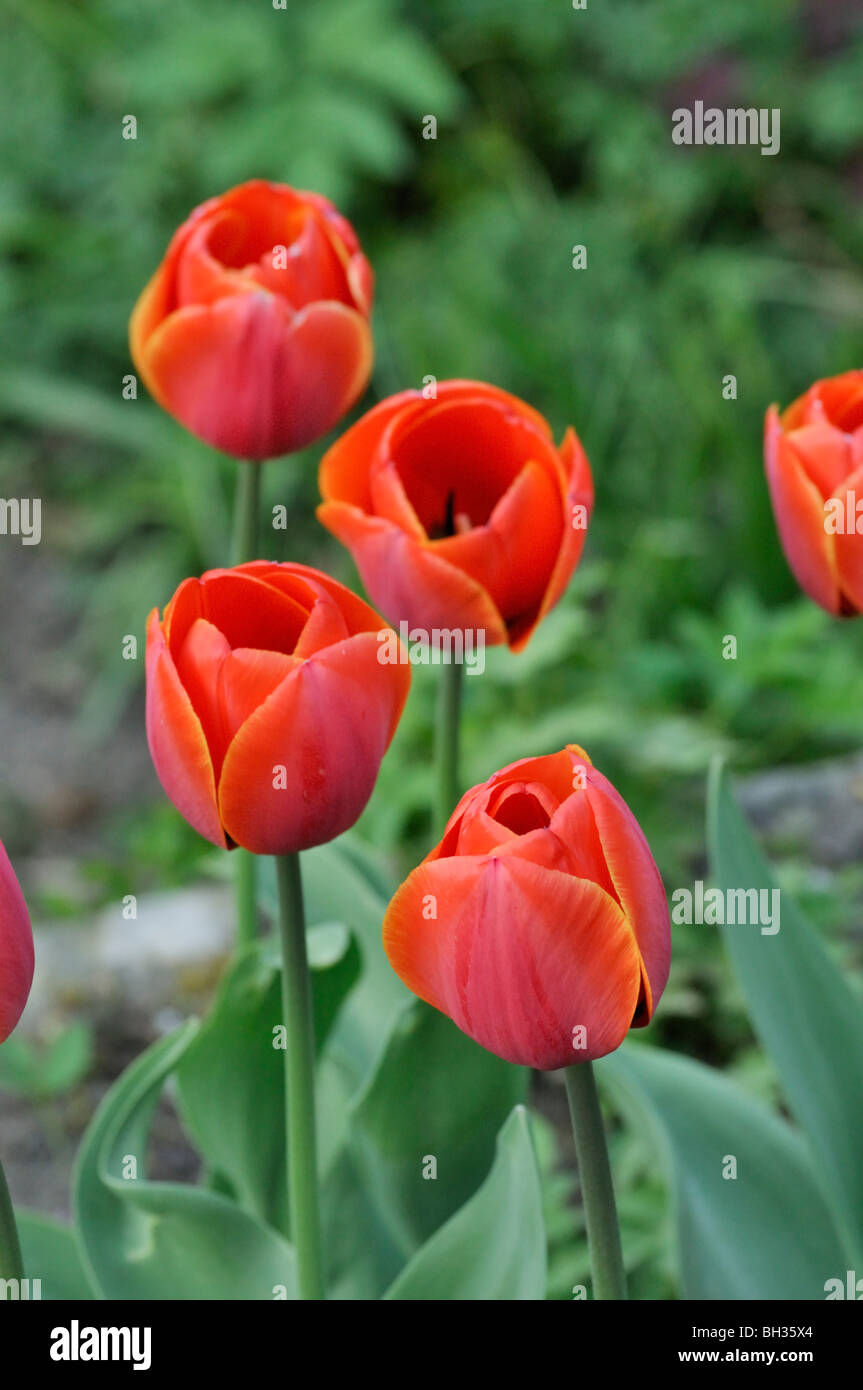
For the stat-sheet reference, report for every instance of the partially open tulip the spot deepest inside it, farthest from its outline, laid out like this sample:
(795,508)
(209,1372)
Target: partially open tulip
(16,948)
(814,459)
(539,924)
(459,511)
(269,708)
(254,331)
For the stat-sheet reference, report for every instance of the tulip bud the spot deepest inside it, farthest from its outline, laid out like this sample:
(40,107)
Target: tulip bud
(16,949)
(254,331)
(539,924)
(269,708)
(813,456)
(459,510)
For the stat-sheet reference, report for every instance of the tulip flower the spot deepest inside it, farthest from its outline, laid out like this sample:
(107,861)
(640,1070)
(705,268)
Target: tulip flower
(539,924)
(16,949)
(269,706)
(814,461)
(459,511)
(254,331)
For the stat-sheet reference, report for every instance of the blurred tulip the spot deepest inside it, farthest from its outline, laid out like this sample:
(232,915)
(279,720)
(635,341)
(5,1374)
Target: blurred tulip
(814,460)
(459,511)
(16,949)
(254,331)
(539,924)
(269,707)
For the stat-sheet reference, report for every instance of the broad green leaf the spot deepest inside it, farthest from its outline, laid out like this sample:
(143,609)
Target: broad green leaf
(765,1233)
(494,1246)
(51,1254)
(433,1095)
(231,1078)
(155,1240)
(808,1019)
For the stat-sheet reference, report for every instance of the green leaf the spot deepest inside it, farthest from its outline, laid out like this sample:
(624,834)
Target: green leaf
(51,1254)
(152,1240)
(809,1021)
(52,1069)
(766,1233)
(494,1247)
(232,1075)
(433,1094)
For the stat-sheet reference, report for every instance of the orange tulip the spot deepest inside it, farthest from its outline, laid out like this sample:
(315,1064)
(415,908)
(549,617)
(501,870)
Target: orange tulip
(814,460)
(269,708)
(539,924)
(16,949)
(254,331)
(459,511)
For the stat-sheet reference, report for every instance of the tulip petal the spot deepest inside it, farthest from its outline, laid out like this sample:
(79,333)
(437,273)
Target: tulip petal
(518,956)
(328,726)
(637,884)
(407,581)
(848,544)
(799,510)
(255,380)
(513,556)
(177,743)
(16,948)
(577,501)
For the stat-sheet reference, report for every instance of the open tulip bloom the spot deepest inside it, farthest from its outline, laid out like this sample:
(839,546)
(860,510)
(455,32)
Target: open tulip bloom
(459,510)
(814,461)
(254,331)
(540,925)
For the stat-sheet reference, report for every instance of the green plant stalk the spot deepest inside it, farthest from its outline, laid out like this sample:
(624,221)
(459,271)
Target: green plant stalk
(11,1259)
(301,1150)
(244,546)
(597,1189)
(448,788)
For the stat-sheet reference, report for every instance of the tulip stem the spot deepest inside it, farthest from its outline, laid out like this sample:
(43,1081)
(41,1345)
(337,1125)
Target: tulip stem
(299,1080)
(447,744)
(597,1189)
(244,547)
(11,1260)
(246,504)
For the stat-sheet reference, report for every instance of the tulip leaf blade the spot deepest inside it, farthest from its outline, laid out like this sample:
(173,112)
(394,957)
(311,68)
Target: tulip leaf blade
(493,1248)
(765,1232)
(434,1093)
(808,1020)
(142,1239)
(52,1256)
(230,1079)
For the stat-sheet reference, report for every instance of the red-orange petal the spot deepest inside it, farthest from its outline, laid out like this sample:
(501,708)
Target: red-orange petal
(799,510)
(517,955)
(16,948)
(328,725)
(177,742)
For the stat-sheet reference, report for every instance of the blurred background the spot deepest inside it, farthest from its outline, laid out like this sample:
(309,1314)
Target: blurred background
(553,130)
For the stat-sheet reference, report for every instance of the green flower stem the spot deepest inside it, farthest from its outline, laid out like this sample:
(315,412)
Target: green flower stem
(447,744)
(11,1261)
(299,1080)
(246,505)
(244,547)
(597,1191)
